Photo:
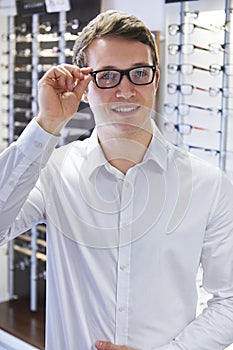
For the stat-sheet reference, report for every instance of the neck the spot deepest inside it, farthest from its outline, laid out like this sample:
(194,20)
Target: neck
(125,150)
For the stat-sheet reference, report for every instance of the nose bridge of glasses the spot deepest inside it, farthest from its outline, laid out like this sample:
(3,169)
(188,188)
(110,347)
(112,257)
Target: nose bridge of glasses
(124,75)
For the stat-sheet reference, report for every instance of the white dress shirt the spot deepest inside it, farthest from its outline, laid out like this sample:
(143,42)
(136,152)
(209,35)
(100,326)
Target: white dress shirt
(123,251)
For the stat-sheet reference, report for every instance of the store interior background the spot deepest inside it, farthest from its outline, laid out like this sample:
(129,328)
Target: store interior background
(157,16)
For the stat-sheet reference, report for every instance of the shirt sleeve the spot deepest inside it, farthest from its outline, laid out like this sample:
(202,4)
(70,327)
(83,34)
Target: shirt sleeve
(20,167)
(213,328)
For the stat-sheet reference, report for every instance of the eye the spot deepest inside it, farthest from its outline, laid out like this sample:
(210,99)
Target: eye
(108,75)
(140,73)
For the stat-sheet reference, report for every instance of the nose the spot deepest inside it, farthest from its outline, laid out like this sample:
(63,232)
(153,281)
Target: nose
(125,89)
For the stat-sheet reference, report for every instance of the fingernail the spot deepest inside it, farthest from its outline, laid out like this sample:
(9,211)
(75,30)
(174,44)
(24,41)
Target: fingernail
(98,344)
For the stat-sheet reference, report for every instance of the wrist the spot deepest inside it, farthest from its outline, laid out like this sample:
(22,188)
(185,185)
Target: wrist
(50,126)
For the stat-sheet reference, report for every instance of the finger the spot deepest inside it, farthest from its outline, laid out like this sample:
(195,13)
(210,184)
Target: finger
(105,345)
(79,87)
(75,77)
(65,77)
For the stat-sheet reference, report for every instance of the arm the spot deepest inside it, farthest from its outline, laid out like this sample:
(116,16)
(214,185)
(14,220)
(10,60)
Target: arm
(59,94)
(20,165)
(213,328)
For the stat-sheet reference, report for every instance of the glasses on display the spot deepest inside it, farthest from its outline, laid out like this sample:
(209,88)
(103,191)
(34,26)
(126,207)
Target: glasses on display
(23,28)
(184,109)
(107,79)
(184,89)
(187,69)
(209,151)
(186,49)
(47,26)
(187,89)
(191,14)
(27,113)
(224,26)
(216,48)
(226,92)
(183,128)
(216,69)
(74,24)
(185,28)
(20,97)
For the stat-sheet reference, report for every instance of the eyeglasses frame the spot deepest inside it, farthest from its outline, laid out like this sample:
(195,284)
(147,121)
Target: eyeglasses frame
(123,72)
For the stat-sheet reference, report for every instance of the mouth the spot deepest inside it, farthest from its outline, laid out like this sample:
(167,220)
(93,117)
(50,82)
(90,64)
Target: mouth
(125,109)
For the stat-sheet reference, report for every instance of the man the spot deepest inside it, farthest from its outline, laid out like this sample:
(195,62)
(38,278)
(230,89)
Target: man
(129,217)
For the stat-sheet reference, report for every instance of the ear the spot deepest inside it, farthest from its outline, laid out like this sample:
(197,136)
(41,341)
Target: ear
(157,76)
(84,97)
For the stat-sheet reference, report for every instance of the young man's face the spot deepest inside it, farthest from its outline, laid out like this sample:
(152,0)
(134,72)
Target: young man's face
(126,106)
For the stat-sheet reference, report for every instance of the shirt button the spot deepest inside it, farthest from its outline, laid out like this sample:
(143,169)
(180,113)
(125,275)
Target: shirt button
(37,144)
(121,308)
(11,183)
(127,184)
(123,267)
(125,225)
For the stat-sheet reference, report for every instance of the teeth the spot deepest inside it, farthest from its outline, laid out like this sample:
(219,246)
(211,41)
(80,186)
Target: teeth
(125,109)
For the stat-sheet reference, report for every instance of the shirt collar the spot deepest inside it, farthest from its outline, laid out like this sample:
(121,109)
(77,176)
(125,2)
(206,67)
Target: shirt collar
(94,156)
(158,149)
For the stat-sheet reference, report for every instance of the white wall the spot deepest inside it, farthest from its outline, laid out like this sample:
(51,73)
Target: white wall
(150,12)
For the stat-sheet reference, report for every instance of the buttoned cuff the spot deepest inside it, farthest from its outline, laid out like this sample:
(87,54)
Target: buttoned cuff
(36,144)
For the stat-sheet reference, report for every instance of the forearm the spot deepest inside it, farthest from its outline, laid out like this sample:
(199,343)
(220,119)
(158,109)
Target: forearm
(210,330)
(20,167)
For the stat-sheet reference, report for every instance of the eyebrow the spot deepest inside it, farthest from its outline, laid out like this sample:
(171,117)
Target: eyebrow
(139,64)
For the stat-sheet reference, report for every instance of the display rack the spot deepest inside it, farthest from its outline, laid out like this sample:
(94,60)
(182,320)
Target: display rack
(35,43)
(205,37)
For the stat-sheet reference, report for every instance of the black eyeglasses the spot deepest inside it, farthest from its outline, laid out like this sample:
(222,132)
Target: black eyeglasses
(110,78)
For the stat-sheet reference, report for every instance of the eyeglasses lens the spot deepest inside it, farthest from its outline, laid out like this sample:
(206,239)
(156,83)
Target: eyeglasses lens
(186,89)
(185,129)
(173,68)
(187,28)
(186,69)
(173,29)
(141,75)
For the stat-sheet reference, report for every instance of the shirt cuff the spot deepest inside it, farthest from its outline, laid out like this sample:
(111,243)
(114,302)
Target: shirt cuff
(36,144)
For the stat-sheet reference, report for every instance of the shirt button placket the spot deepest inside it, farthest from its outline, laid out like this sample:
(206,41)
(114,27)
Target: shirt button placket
(123,278)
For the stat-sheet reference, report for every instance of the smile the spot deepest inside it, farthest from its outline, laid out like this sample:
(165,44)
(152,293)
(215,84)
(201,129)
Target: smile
(125,109)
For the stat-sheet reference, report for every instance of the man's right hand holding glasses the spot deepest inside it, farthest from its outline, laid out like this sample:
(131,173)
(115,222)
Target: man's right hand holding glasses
(59,94)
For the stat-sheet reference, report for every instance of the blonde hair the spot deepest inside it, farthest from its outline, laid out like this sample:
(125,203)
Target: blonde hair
(117,24)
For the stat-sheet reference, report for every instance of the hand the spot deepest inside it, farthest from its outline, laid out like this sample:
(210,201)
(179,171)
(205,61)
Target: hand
(106,345)
(59,94)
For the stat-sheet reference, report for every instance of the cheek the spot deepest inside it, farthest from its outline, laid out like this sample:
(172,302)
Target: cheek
(98,97)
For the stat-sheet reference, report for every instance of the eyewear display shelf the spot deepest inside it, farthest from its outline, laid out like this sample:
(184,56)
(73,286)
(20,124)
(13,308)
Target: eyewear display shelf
(198,105)
(35,43)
